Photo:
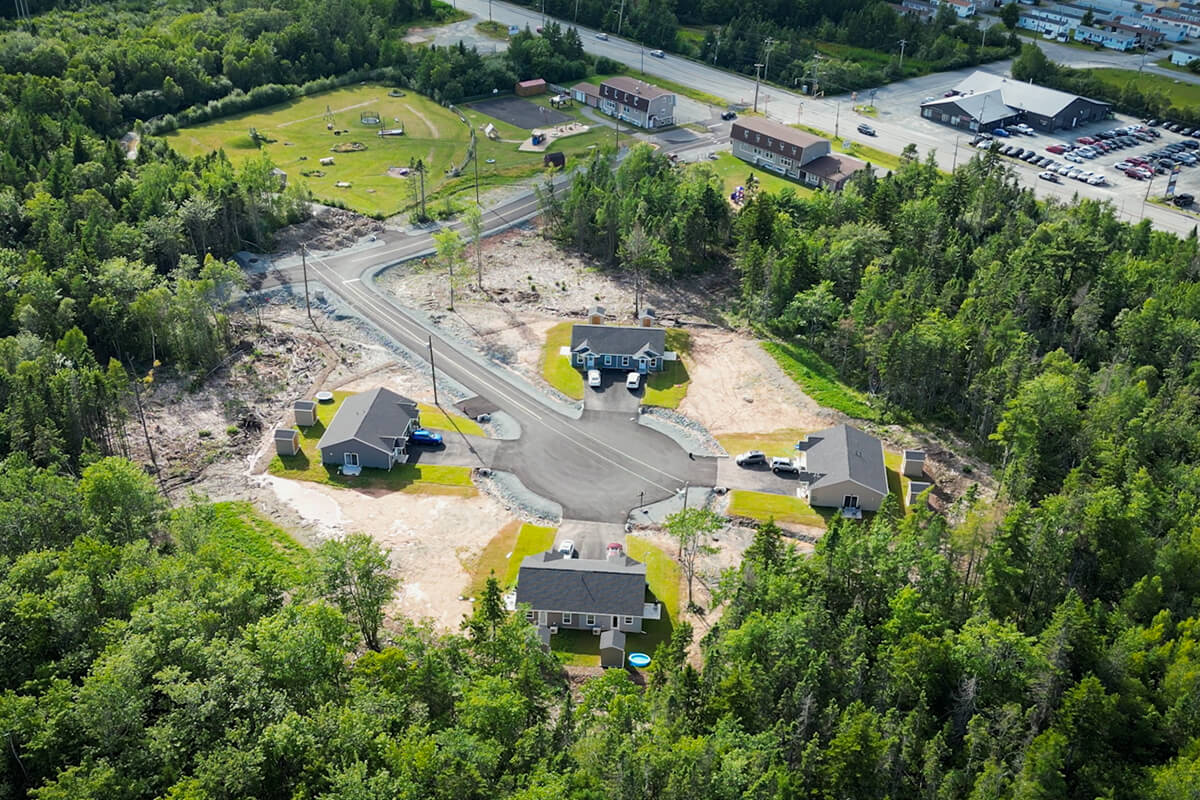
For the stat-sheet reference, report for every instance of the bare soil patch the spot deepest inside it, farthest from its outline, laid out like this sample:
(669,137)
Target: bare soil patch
(736,387)
(328,229)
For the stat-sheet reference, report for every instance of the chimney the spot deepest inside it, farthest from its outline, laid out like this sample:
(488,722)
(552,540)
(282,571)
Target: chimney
(596,315)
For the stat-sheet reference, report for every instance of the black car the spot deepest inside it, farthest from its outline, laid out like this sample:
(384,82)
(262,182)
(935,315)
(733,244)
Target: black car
(1190,144)
(1028,155)
(728,115)
(1018,152)
(1153,123)
(1183,200)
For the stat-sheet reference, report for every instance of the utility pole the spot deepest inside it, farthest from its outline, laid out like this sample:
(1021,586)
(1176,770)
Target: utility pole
(757,76)
(476,160)
(489,10)
(620,17)
(304,268)
(433,372)
(903,42)
(642,53)
(716,49)
(837,114)
(768,43)
(576,11)
(954,164)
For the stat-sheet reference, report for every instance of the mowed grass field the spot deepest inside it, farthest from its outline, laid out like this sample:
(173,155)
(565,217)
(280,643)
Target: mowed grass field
(432,133)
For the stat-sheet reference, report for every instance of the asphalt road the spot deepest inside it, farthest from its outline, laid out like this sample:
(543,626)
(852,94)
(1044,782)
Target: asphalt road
(898,122)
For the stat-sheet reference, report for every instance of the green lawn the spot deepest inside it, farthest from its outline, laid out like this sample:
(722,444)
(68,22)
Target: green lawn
(1181,93)
(507,163)
(503,554)
(864,152)
(432,133)
(668,388)
(422,478)
(897,481)
(582,648)
(780,507)
(437,419)
(241,535)
(734,172)
(531,539)
(493,30)
(556,368)
(819,380)
(776,443)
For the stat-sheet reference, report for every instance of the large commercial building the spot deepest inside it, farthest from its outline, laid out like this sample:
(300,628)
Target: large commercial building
(791,152)
(985,101)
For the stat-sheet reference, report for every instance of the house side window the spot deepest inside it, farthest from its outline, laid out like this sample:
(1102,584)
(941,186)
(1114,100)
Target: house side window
(529,616)
(787,162)
(624,361)
(591,620)
(629,620)
(566,618)
(811,179)
(608,361)
(654,363)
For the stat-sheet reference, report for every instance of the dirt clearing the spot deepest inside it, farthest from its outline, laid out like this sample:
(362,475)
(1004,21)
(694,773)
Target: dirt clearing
(429,538)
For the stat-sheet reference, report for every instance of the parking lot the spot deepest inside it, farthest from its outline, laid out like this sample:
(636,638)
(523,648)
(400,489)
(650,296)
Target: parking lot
(1120,186)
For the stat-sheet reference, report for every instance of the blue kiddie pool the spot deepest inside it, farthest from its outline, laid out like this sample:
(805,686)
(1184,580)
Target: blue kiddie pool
(639,660)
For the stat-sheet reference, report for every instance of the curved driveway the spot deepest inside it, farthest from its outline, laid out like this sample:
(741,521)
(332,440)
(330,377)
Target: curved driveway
(598,466)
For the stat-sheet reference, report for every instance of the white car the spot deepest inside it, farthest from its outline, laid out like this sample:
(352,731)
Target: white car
(984,145)
(567,548)
(1074,158)
(602,37)
(1025,129)
(1097,180)
(633,380)
(593,378)
(658,54)
(1123,165)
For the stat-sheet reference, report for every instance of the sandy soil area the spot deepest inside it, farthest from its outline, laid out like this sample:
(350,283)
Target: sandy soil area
(430,538)
(737,387)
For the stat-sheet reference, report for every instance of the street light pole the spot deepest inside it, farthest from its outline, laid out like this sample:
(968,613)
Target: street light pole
(304,267)
(757,76)
(642,53)
(433,372)
(768,43)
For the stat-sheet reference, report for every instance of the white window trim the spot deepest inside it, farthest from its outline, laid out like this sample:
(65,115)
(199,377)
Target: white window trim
(591,620)
(624,361)
(529,616)
(566,618)
(347,459)
(608,361)
(628,620)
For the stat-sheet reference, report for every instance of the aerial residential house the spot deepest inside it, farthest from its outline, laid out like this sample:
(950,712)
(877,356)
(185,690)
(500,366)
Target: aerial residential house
(584,594)
(1182,56)
(642,104)
(1173,30)
(586,93)
(986,101)
(1184,15)
(1113,40)
(918,9)
(1035,19)
(792,152)
(842,467)
(370,429)
(963,8)
(628,349)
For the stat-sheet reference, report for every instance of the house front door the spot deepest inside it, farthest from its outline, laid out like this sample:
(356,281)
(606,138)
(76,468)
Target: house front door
(643,365)
(542,618)
(591,362)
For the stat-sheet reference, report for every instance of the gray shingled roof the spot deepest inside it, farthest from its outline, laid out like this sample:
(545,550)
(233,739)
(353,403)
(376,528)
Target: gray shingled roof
(977,105)
(612,637)
(550,582)
(286,434)
(617,340)
(844,453)
(375,418)
(305,405)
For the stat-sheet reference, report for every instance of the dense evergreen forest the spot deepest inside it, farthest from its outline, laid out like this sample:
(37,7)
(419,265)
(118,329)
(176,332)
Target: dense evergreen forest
(837,45)
(1043,646)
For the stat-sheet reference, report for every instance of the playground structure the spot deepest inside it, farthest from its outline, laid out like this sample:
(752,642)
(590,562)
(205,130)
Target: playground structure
(391,131)
(541,138)
(489,130)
